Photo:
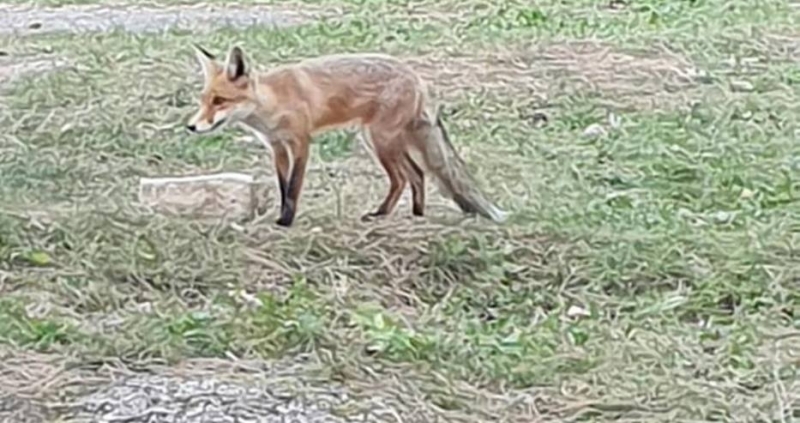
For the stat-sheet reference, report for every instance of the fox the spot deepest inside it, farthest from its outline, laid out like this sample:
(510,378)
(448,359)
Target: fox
(287,105)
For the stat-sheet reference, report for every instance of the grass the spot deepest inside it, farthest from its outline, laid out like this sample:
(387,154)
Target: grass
(647,274)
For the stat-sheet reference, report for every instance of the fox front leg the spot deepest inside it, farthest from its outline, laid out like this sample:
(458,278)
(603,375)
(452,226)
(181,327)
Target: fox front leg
(291,175)
(280,156)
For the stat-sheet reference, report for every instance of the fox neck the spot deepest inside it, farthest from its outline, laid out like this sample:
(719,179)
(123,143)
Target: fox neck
(257,122)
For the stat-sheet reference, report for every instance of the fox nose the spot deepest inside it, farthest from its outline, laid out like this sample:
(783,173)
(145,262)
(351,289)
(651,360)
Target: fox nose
(191,128)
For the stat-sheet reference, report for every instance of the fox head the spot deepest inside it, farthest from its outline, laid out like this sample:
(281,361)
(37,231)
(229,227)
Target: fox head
(228,93)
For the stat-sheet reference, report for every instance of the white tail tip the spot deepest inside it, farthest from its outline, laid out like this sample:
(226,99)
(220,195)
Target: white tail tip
(498,215)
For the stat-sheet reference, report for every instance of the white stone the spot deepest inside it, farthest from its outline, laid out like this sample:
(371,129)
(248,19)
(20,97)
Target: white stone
(233,195)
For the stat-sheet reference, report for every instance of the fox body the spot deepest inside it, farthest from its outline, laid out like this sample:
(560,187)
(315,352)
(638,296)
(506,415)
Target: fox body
(287,105)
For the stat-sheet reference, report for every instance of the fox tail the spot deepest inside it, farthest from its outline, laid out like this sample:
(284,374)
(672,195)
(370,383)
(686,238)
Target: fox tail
(450,172)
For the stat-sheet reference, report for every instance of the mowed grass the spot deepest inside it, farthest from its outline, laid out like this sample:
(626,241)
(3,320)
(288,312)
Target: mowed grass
(649,273)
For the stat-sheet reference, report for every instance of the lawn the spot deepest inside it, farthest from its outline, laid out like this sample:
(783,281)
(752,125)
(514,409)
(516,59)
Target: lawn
(646,273)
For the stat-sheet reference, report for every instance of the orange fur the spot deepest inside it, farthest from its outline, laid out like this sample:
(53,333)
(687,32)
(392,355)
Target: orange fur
(286,106)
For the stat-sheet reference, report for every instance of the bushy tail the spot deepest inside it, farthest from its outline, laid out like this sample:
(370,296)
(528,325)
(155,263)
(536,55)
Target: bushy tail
(450,171)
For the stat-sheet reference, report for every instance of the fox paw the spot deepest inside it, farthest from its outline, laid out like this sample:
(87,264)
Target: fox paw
(284,221)
(372,216)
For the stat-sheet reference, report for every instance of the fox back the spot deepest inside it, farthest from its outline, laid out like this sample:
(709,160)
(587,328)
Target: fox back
(307,97)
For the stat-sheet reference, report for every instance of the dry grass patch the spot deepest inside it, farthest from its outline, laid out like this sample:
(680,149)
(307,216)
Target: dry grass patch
(623,79)
(334,388)
(403,263)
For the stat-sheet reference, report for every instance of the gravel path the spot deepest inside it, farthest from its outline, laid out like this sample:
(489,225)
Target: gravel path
(17,20)
(37,388)
(157,399)
(26,20)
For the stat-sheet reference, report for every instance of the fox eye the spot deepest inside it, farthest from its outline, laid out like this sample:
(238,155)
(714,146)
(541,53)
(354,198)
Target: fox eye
(217,101)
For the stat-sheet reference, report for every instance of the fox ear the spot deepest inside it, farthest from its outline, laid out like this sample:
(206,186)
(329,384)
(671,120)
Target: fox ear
(206,59)
(235,66)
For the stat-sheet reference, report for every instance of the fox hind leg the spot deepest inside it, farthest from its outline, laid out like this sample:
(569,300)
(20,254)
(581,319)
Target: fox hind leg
(416,178)
(388,155)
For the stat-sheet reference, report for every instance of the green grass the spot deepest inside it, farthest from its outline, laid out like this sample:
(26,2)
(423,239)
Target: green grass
(674,233)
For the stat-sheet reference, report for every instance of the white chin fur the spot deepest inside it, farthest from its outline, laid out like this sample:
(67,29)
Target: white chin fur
(211,128)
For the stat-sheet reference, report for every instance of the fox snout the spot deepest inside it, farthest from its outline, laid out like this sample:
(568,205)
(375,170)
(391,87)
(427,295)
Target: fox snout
(193,128)
(201,123)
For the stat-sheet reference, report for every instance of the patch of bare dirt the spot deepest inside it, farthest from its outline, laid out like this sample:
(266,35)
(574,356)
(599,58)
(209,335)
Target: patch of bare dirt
(12,67)
(27,20)
(650,79)
(785,45)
